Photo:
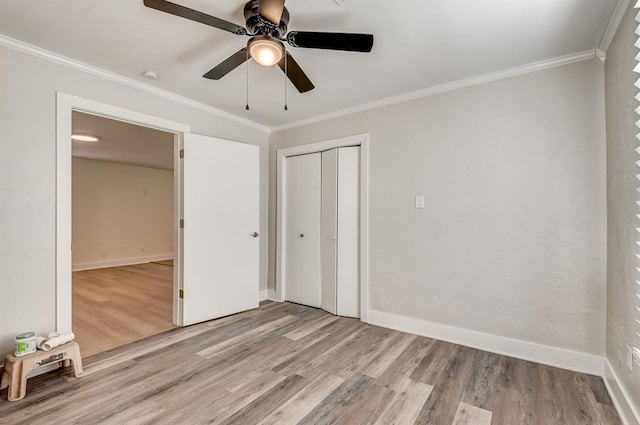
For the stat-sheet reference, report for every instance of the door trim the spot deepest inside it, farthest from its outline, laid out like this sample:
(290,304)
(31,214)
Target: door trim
(65,105)
(361,140)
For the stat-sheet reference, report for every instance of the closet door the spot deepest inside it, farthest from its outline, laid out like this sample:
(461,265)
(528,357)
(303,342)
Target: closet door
(302,229)
(329,230)
(340,239)
(348,240)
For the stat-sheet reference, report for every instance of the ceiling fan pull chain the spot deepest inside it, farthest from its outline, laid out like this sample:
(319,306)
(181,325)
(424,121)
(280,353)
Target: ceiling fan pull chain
(247,107)
(286,75)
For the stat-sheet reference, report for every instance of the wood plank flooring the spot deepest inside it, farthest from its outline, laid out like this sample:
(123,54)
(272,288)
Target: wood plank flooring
(289,364)
(118,305)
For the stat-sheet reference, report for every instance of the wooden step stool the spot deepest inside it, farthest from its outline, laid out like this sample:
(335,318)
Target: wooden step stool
(16,369)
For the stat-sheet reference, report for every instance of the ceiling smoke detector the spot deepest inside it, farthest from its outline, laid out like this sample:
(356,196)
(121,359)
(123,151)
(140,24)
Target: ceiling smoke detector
(150,75)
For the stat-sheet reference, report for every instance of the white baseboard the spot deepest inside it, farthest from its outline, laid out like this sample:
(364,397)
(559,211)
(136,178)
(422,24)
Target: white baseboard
(629,414)
(552,356)
(120,262)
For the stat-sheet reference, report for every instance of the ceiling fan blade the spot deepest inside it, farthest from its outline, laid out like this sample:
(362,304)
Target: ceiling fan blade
(331,41)
(194,15)
(296,74)
(228,65)
(271,10)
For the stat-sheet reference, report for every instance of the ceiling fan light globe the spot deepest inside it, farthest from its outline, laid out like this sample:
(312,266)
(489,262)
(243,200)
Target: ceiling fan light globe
(265,51)
(266,57)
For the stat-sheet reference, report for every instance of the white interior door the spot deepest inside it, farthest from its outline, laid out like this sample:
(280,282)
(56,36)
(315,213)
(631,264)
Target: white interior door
(329,230)
(302,229)
(221,219)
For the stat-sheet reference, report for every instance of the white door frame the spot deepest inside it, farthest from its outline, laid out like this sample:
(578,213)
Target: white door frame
(361,140)
(65,105)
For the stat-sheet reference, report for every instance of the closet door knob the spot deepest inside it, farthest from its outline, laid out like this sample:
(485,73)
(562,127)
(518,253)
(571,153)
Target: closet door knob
(254,234)
(302,235)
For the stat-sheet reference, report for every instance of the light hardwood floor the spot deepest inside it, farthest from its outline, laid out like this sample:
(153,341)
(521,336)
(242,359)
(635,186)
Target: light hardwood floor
(119,305)
(288,364)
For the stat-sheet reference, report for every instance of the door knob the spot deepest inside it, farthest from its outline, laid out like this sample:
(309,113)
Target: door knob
(302,235)
(254,234)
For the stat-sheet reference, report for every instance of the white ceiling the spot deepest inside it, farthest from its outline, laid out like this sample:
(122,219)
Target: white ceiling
(418,44)
(122,142)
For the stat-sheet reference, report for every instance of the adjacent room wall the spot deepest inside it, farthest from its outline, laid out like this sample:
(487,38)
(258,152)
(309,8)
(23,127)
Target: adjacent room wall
(28,86)
(512,238)
(122,214)
(621,198)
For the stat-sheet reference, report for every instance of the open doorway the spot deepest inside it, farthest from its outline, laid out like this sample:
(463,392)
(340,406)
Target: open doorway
(123,231)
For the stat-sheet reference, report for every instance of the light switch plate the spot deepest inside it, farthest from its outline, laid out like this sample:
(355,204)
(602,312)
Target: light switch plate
(419,203)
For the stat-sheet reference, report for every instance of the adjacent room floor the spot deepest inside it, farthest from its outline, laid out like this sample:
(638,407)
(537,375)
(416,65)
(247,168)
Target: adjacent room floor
(288,364)
(118,305)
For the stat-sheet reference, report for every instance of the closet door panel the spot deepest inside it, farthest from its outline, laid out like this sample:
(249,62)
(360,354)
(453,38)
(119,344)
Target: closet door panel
(293,212)
(348,240)
(310,228)
(329,230)
(303,223)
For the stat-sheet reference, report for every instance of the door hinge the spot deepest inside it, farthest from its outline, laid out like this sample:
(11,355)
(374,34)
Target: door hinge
(181,153)
(182,293)
(182,223)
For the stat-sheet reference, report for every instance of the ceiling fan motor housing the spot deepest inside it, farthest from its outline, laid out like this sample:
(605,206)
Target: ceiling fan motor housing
(258,25)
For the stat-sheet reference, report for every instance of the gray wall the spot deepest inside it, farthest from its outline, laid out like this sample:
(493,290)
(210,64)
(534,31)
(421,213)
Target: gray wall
(512,239)
(621,197)
(28,88)
(122,213)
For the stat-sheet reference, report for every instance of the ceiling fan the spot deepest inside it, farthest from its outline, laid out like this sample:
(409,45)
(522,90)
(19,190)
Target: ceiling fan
(266,24)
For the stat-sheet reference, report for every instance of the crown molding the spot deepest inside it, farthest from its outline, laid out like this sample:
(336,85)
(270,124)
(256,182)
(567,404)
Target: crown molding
(612,26)
(454,85)
(429,91)
(121,79)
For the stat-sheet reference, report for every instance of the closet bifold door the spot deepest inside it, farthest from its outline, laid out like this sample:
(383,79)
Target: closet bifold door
(348,232)
(329,230)
(302,229)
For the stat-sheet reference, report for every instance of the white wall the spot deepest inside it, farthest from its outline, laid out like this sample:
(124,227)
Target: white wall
(512,239)
(122,214)
(621,197)
(28,88)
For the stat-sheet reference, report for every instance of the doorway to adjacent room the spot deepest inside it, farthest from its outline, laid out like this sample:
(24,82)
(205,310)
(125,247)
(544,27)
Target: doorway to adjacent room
(122,231)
